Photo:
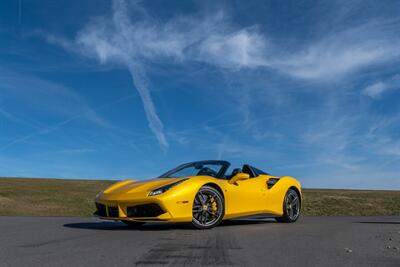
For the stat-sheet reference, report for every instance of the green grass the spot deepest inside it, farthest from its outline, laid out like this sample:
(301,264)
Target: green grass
(351,202)
(53,197)
(48,197)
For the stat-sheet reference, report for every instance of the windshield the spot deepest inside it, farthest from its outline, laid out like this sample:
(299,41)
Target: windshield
(214,168)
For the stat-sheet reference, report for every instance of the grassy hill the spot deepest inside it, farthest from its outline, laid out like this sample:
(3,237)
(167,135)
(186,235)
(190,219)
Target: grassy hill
(55,197)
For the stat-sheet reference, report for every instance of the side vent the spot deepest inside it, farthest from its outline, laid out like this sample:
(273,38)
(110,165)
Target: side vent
(271,182)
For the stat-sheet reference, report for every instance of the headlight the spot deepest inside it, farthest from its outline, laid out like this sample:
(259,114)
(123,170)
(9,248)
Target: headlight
(164,188)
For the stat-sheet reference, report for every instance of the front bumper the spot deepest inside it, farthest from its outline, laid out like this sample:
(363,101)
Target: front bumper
(168,206)
(131,211)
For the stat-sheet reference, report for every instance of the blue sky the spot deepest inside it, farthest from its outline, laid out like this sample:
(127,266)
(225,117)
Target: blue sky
(115,89)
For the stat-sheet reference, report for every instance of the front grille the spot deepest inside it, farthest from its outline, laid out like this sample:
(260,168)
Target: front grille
(146,210)
(101,210)
(113,212)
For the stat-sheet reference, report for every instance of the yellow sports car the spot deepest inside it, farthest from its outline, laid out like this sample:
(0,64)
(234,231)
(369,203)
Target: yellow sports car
(203,193)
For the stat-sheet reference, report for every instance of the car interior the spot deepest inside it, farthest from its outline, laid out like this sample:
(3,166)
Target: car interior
(207,171)
(245,169)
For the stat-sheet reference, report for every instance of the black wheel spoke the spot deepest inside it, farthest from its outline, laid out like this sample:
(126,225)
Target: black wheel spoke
(210,214)
(203,198)
(197,209)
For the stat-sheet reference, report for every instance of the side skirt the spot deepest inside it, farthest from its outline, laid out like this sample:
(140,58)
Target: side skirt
(255,216)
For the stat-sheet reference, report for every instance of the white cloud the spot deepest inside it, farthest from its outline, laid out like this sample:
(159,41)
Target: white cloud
(116,39)
(339,54)
(213,39)
(376,90)
(243,48)
(133,42)
(132,38)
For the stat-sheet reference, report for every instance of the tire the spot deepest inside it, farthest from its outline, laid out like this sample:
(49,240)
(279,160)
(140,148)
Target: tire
(208,208)
(291,207)
(133,224)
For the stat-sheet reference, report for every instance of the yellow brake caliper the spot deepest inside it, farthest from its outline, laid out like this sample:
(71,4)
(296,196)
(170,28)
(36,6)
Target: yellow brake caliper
(214,206)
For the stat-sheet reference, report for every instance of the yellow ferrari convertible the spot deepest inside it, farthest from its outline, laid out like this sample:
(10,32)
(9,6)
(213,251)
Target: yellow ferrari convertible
(203,193)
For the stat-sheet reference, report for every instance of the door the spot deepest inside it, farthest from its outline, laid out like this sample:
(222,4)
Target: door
(246,197)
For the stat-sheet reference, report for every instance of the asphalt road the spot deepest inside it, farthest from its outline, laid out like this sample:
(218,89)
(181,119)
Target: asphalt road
(312,241)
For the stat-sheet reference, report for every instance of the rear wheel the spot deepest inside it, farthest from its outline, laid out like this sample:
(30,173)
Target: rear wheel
(291,207)
(133,224)
(208,208)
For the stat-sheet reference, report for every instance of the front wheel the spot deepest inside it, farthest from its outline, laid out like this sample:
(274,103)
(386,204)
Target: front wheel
(208,208)
(291,207)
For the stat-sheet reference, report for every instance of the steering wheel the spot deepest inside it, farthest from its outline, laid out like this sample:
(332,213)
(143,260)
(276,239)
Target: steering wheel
(207,171)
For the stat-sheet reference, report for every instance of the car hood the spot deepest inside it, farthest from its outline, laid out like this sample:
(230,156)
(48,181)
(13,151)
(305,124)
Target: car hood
(137,188)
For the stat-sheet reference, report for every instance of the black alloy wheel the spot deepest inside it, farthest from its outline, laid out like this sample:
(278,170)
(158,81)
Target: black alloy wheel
(291,207)
(208,208)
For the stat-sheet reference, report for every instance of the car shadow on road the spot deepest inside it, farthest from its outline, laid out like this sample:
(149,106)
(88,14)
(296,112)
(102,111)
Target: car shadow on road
(117,226)
(156,226)
(246,222)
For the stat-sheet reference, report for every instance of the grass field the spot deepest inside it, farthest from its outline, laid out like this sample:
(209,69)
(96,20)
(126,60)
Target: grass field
(53,197)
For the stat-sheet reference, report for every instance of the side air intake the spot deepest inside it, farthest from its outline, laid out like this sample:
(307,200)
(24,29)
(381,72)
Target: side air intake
(271,182)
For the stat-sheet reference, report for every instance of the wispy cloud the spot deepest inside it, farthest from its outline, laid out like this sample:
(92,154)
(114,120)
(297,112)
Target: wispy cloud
(132,38)
(78,150)
(46,96)
(243,48)
(338,54)
(376,89)
(332,138)
(132,42)
(17,119)
(382,138)
(49,98)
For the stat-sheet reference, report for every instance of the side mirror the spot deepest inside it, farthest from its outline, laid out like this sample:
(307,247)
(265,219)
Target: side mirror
(239,177)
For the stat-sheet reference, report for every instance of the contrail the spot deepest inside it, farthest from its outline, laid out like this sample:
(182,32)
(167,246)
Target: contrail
(56,126)
(112,41)
(155,124)
(129,37)
(123,25)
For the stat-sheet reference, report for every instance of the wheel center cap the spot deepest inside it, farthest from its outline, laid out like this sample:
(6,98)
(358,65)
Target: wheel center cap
(205,207)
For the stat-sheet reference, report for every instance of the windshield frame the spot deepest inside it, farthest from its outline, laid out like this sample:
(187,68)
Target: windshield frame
(220,175)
